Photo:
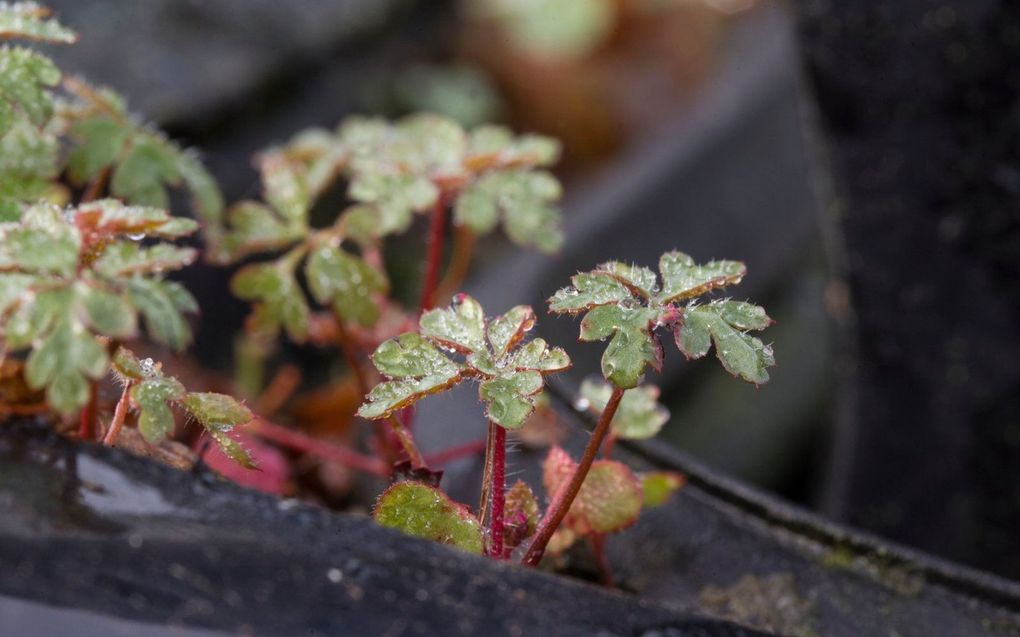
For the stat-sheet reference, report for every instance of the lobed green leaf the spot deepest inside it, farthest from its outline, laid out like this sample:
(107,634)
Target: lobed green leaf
(346,282)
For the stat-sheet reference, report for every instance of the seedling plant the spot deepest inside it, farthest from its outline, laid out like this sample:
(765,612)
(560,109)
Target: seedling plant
(87,246)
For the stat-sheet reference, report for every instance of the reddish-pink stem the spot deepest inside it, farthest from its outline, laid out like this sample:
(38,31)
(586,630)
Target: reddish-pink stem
(440,458)
(437,234)
(319,448)
(119,415)
(407,442)
(498,491)
(564,497)
(87,417)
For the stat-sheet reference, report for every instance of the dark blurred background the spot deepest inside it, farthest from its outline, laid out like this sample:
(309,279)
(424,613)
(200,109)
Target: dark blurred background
(861,157)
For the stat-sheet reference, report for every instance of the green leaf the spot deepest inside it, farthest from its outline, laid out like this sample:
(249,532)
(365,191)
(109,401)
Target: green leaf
(28,166)
(632,347)
(638,279)
(127,366)
(511,376)
(426,512)
(346,282)
(523,199)
(100,142)
(740,353)
(510,399)
(26,78)
(31,21)
(108,313)
(155,420)
(63,362)
(658,486)
(589,289)
(254,227)
(461,326)
(143,173)
(127,258)
(396,198)
(639,414)
(219,414)
(233,449)
(206,197)
(35,314)
(278,296)
(628,303)
(506,331)
(682,278)
(32,249)
(284,188)
(162,304)
(416,368)
(111,217)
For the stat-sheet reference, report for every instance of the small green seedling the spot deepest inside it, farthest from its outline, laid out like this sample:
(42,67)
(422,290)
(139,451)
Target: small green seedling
(152,393)
(453,345)
(627,304)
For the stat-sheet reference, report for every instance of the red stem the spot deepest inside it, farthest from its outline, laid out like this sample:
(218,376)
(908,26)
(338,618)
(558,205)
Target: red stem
(435,254)
(87,417)
(407,442)
(319,448)
(498,491)
(565,496)
(440,458)
(119,414)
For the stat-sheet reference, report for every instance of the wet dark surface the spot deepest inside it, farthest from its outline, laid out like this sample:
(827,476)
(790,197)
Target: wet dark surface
(917,103)
(114,545)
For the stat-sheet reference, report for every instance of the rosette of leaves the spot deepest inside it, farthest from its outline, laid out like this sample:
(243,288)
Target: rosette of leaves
(424,511)
(639,415)
(73,280)
(152,394)
(626,303)
(511,372)
(292,178)
(488,175)
(609,501)
(28,149)
(138,162)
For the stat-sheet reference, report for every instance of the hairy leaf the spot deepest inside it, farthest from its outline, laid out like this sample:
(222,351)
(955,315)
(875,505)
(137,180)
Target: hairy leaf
(278,296)
(26,79)
(511,374)
(163,304)
(31,21)
(155,420)
(610,498)
(64,362)
(627,303)
(219,414)
(426,512)
(345,282)
(740,353)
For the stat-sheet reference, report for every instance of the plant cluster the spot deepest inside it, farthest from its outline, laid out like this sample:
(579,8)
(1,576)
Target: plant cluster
(87,245)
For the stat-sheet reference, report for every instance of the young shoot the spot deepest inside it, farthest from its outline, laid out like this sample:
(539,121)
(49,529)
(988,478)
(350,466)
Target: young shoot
(458,343)
(627,304)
